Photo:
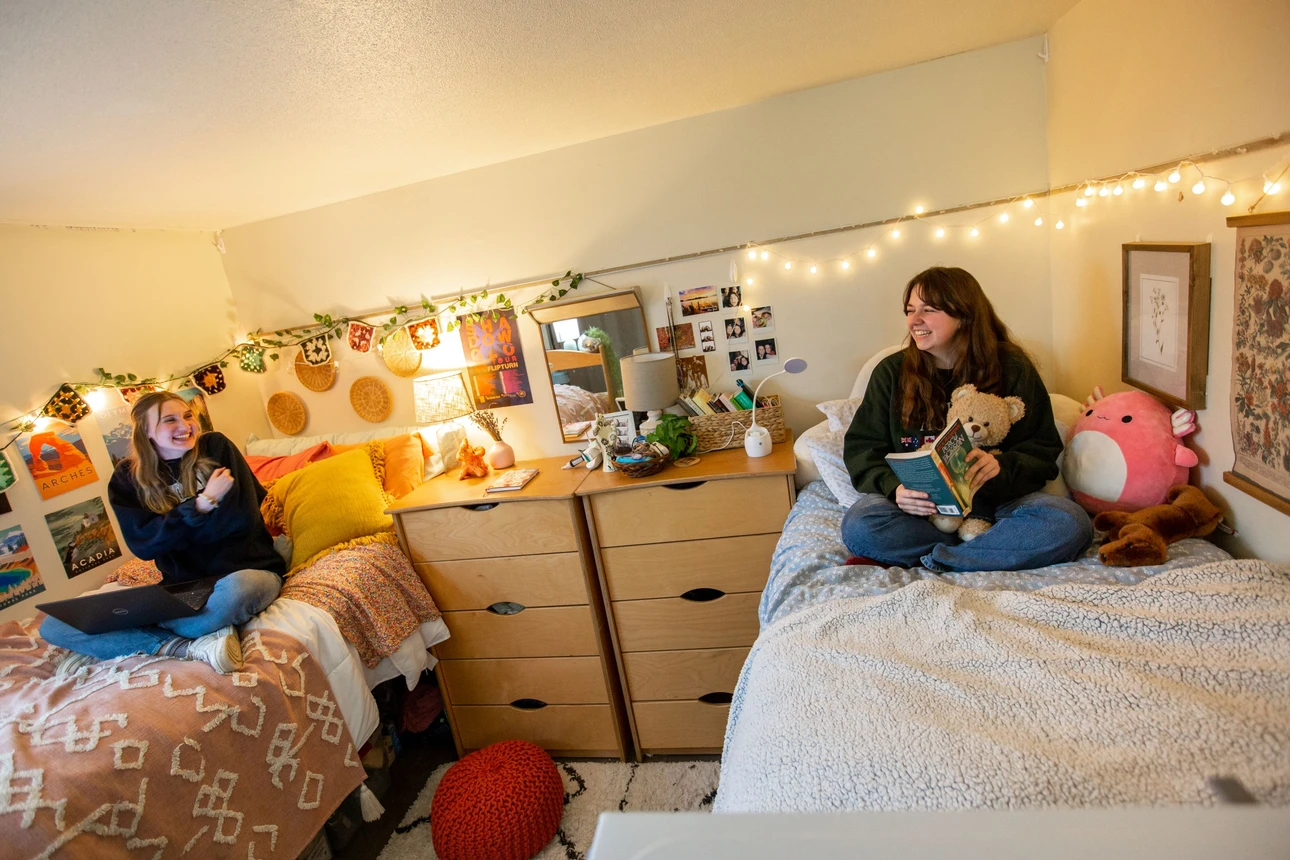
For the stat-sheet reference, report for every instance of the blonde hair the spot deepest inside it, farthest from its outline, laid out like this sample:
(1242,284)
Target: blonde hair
(145,463)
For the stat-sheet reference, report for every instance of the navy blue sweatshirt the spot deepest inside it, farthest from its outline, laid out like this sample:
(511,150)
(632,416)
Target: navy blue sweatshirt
(187,544)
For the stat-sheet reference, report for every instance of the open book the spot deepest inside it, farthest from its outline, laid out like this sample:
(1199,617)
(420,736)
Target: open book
(939,471)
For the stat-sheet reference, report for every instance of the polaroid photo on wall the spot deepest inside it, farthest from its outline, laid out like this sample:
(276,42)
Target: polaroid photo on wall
(737,330)
(732,297)
(765,350)
(699,300)
(739,360)
(763,320)
(707,339)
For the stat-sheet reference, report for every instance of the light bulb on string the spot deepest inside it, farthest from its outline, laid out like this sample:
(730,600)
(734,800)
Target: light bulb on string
(940,232)
(1003,218)
(895,232)
(846,264)
(788,264)
(1119,189)
(1088,190)
(918,210)
(1160,185)
(752,255)
(1271,187)
(1027,203)
(1199,187)
(871,253)
(1081,202)
(1103,191)
(749,281)
(765,255)
(1060,224)
(975,232)
(813,270)
(1039,222)
(1228,197)
(746,308)
(1139,183)
(96,398)
(1174,177)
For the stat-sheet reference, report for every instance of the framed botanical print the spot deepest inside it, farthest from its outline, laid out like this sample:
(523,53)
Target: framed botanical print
(1165,339)
(1261,359)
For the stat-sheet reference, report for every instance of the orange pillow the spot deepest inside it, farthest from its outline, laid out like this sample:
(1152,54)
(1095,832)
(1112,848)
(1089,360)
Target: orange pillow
(405,462)
(272,468)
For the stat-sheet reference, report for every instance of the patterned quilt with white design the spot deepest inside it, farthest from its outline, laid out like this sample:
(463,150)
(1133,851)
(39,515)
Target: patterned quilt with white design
(149,757)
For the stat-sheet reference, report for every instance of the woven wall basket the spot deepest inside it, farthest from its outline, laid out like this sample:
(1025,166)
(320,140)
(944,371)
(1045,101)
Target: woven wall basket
(401,357)
(318,377)
(713,431)
(371,399)
(287,413)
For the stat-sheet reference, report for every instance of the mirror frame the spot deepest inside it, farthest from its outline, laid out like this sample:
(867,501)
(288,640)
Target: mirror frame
(582,306)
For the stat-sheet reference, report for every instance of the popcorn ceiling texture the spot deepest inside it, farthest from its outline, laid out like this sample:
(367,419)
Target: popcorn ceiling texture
(208,115)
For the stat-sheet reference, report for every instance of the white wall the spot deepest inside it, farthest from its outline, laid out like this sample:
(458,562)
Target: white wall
(953,131)
(1194,75)
(144,302)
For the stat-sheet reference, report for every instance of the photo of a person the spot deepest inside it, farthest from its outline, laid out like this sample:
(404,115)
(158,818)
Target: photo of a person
(763,319)
(766,349)
(737,330)
(707,340)
(732,297)
(738,359)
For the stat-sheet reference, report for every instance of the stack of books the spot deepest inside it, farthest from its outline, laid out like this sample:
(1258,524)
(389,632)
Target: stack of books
(703,402)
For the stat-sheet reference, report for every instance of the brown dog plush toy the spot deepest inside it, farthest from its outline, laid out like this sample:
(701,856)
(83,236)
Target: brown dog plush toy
(1141,538)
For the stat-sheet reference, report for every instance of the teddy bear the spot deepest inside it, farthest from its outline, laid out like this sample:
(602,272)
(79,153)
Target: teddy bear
(1141,538)
(986,419)
(1125,452)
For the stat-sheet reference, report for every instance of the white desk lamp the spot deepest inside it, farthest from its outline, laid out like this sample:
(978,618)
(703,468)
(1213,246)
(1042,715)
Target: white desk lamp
(757,439)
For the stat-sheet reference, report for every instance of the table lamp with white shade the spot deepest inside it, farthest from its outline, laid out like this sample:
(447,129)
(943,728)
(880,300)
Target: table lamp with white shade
(757,439)
(649,384)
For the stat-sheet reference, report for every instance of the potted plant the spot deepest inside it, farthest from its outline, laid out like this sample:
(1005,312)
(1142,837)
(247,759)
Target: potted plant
(674,432)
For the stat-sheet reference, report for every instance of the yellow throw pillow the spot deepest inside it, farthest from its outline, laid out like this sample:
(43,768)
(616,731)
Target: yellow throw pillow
(335,501)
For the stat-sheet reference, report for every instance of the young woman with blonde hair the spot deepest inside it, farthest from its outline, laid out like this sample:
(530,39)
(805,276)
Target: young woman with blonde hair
(187,501)
(956,338)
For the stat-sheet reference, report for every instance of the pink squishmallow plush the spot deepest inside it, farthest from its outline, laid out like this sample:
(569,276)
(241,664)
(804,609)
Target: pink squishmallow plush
(1124,452)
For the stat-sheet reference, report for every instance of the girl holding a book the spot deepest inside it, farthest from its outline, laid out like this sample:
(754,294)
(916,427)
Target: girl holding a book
(955,338)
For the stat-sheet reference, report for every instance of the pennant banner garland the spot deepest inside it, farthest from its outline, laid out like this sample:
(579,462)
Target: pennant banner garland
(424,334)
(360,336)
(210,379)
(66,405)
(316,350)
(252,360)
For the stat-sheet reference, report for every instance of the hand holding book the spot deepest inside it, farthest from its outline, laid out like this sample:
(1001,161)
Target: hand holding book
(982,466)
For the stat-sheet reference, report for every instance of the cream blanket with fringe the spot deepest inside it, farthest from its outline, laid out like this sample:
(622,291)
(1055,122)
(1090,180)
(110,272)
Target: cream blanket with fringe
(939,697)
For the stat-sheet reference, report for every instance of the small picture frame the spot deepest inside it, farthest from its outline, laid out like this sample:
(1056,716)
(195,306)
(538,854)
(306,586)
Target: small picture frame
(1165,334)
(626,423)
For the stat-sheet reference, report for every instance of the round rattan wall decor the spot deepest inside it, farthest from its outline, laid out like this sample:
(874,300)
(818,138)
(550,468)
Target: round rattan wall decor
(401,357)
(317,377)
(287,413)
(371,399)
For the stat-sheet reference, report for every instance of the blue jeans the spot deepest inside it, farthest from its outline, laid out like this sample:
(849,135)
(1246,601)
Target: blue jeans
(236,599)
(1030,532)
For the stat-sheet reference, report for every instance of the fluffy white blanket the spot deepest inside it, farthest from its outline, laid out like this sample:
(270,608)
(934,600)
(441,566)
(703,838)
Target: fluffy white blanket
(939,697)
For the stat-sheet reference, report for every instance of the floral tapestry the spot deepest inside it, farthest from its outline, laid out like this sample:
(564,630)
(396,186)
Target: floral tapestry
(1261,358)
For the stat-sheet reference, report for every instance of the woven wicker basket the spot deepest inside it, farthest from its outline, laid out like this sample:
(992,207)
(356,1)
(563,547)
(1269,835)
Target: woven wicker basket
(714,431)
(644,468)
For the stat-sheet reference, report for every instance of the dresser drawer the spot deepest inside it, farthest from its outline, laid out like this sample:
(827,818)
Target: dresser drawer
(556,728)
(671,624)
(529,580)
(489,529)
(682,674)
(556,631)
(553,680)
(671,569)
(707,509)
(680,725)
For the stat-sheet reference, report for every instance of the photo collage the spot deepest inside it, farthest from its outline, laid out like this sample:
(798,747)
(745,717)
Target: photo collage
(748,332)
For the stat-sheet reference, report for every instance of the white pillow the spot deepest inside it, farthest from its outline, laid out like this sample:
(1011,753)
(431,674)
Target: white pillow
(826,449)
(840,412)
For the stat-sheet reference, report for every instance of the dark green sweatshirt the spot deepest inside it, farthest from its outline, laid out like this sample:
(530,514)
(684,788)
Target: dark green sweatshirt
(1030,450)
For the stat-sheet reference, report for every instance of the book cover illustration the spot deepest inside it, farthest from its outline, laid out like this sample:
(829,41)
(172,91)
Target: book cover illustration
(84,536)
(19,576)
(495,358)
(939,471)
(512,480)
(57,459)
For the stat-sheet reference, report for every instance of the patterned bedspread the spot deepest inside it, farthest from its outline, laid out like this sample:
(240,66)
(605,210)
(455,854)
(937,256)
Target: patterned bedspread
(808,566)
(148,757)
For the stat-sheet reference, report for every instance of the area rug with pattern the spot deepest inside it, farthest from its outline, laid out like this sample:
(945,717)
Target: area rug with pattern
(590,788)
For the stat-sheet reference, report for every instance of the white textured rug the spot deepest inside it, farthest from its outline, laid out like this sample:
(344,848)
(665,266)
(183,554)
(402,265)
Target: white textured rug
(590,788)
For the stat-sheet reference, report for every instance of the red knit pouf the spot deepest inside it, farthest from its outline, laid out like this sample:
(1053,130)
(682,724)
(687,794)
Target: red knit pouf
(503,802)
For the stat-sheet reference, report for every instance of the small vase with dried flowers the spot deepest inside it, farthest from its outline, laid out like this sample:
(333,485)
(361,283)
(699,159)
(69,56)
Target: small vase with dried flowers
(500,455)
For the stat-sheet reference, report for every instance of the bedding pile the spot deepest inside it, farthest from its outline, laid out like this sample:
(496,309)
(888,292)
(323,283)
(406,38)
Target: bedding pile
(936,696)
(151,757)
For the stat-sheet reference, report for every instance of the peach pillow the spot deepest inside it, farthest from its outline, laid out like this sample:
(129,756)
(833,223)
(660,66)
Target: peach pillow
(405,462)
(272,468)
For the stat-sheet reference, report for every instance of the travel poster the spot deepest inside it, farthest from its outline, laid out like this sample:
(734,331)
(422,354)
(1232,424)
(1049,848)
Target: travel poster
(495,359)
(197,402)
(84,536)
(7,475)
(57,459)
(114,424)
(19,576)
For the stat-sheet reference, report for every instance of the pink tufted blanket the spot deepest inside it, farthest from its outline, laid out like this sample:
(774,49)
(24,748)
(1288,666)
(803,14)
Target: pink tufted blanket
(150,757)
(372,592)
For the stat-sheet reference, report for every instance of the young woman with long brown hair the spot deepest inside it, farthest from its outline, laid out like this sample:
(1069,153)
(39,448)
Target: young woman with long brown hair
(956,338)
(187,501)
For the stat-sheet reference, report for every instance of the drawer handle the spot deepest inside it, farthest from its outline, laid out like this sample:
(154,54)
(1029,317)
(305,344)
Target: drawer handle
(482,506)
(505,607)
(702,595)
(716,698)
(688,485)
(530,704)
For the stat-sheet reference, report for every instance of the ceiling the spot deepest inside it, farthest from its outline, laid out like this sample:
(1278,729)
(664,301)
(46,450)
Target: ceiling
(188,114)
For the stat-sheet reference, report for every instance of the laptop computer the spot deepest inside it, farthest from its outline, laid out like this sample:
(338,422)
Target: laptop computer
(138,606)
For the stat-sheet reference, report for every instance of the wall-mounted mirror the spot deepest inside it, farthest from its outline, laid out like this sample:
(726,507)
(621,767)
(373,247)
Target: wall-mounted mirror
(583,339)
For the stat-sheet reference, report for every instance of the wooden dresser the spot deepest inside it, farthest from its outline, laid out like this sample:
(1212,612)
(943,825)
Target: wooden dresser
(529,656)
(683,558)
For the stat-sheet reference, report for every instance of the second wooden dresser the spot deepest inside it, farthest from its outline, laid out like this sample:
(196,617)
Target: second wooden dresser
(684,556)
(529,654)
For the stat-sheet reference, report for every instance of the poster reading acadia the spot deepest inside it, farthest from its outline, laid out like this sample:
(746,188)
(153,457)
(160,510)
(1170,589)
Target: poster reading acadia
(84,536)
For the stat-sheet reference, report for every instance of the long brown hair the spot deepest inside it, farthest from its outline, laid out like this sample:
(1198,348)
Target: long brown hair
(145,463)
(984,338)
